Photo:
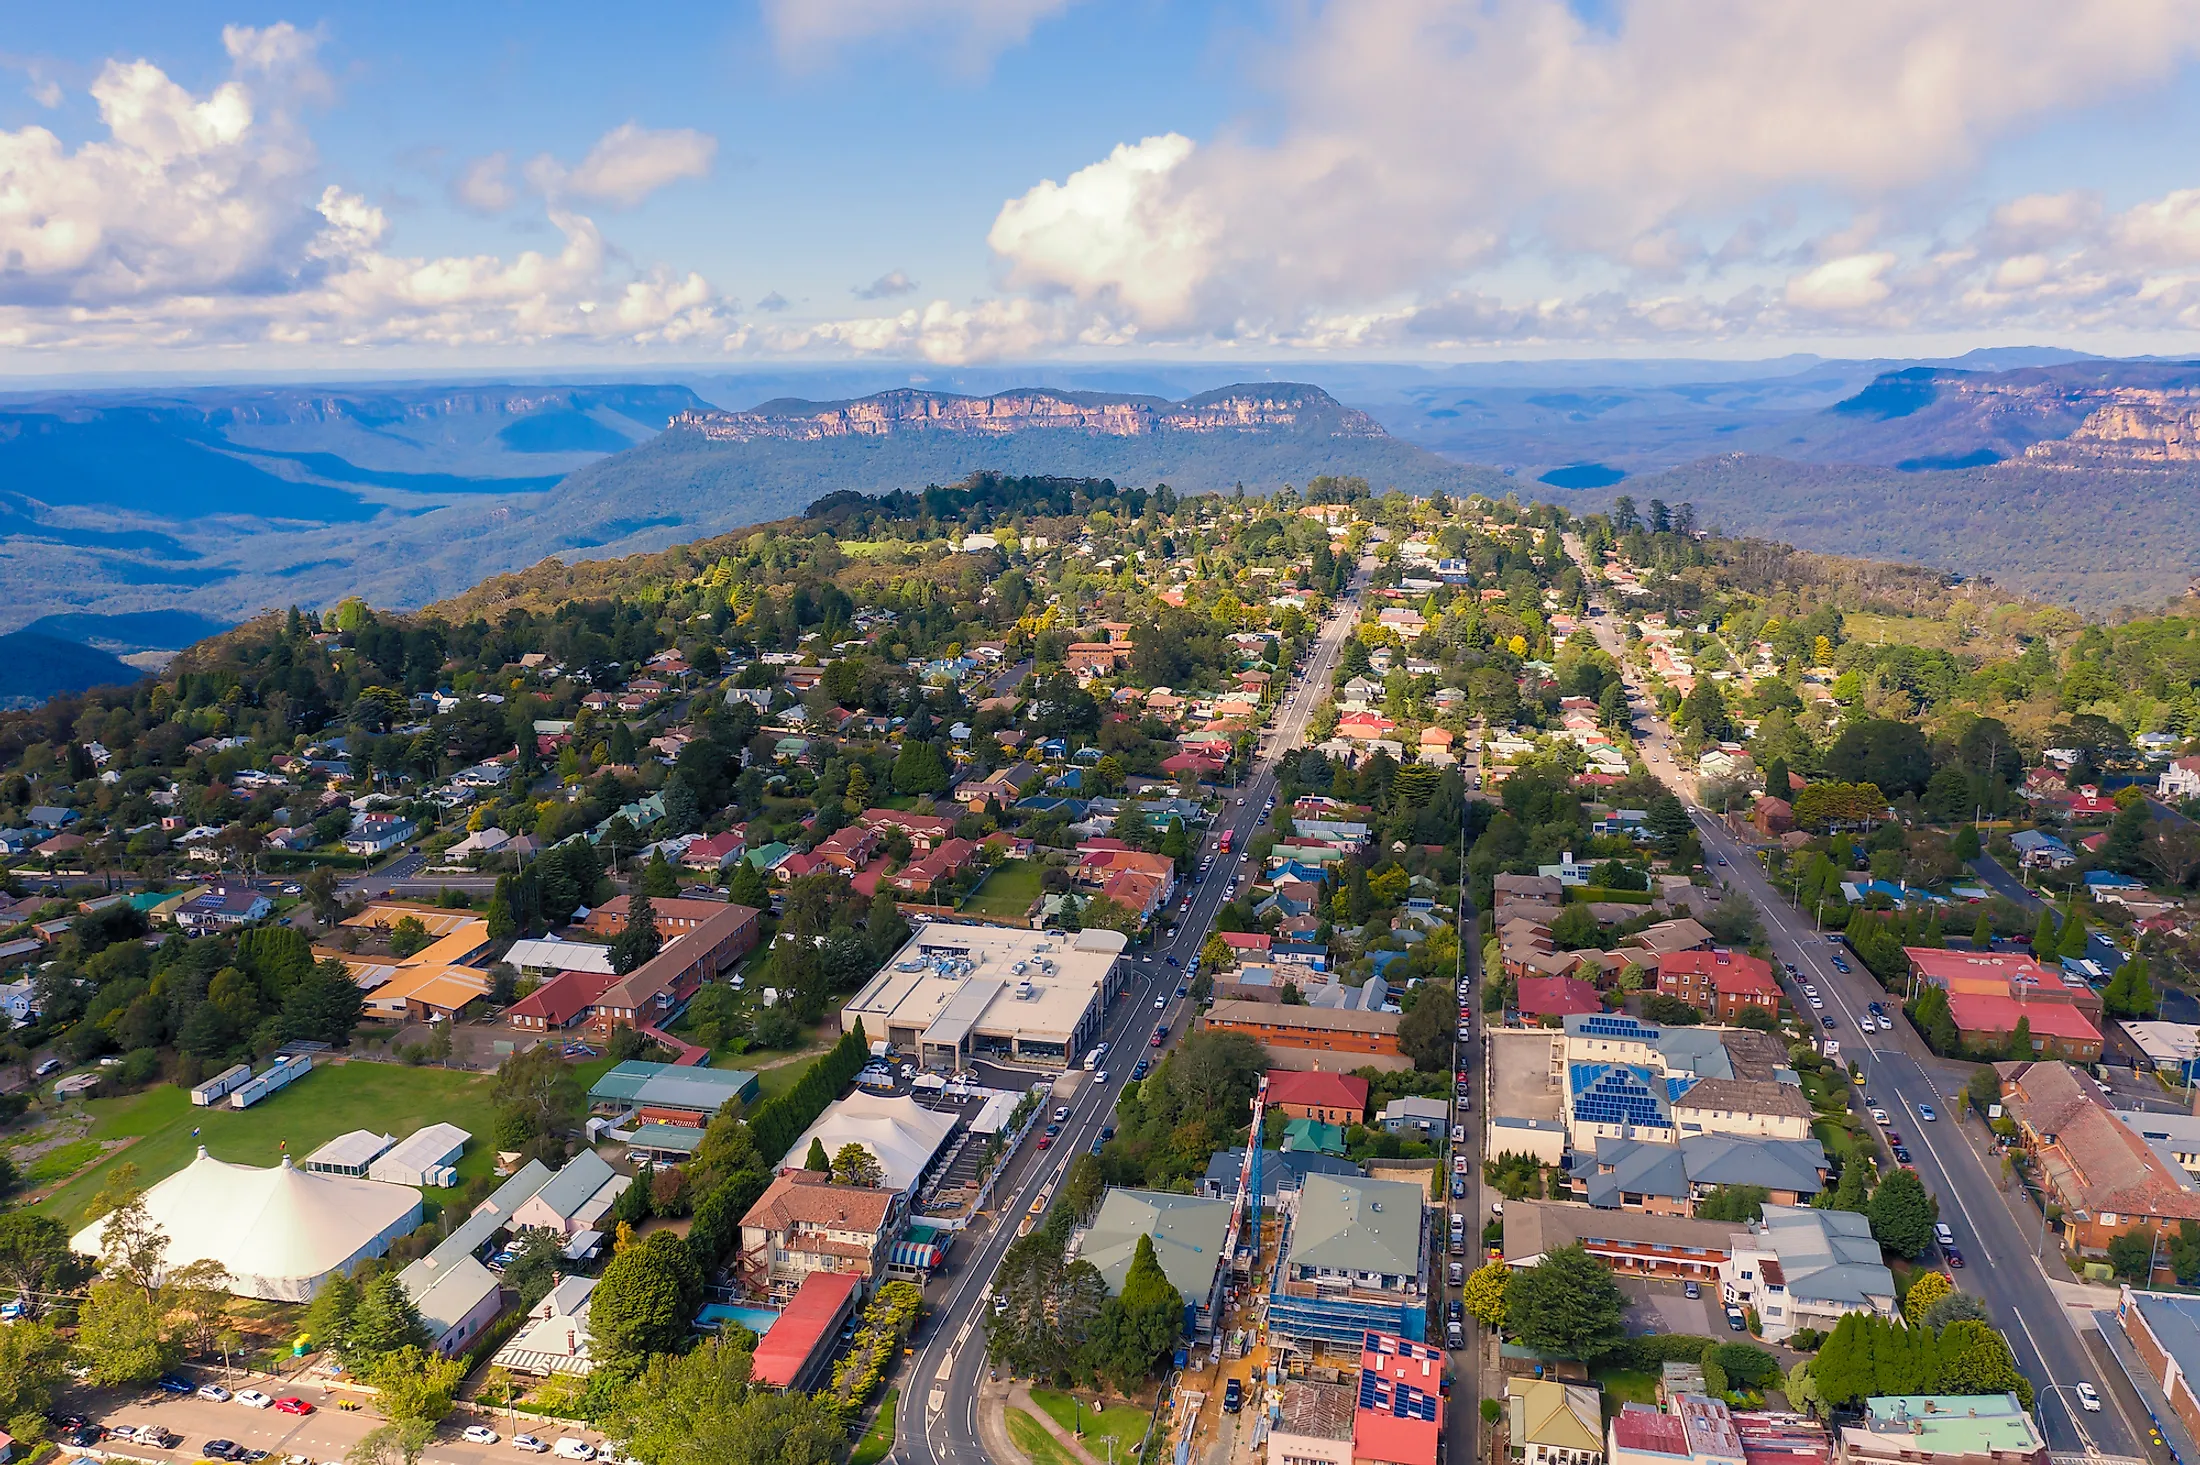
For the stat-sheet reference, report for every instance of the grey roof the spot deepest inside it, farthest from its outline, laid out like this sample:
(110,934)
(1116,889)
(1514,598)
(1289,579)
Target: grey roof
(1827,1256)
(1187,1232)
(449,1281)
(1413,1106)
(1287,1169)
(1776,1164)
(1359,1225)
(573,1186)
(2174,1320)
(671,1085)
(1623,1167)
(1699,1051)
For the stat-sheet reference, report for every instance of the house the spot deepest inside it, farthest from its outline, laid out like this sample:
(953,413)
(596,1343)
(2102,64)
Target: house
(1330,1098)
(1554,1423)
(715,852)
(1398,1418)
(1720,984)
(922,878)
(1298,1035)
(2041,851)
(805,1223)
(1412,1114)
(2106,1177)
(1990,993)
(1631,1243)
(1943,1429)
(575,1198)
(1542,997)
(375,834)
(1683,934)
(1803,1267)
(1669,1179)
(222,908)
(2179,781)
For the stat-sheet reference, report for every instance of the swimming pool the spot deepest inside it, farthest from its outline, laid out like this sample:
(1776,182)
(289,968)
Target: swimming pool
(715,1315)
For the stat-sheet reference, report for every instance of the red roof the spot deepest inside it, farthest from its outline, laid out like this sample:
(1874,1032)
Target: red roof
(1247,940)
(1639,1427)
(1731,972)
(1404,1425)
(1318,1090)
(1557,997)
(564,997)
(807,1325)
(1976,1013)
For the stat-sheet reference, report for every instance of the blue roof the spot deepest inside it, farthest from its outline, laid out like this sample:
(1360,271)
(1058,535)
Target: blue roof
(1617,1093)
(2110,880)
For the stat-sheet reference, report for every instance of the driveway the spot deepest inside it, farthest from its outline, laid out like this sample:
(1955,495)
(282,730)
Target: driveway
(1663,1307)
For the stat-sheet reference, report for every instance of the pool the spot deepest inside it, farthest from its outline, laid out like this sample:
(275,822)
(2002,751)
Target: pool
(716,1315)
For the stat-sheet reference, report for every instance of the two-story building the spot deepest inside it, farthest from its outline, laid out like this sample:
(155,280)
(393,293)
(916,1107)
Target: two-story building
(805,1223)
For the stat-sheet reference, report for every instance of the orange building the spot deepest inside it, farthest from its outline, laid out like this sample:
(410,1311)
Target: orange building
(1309,1029)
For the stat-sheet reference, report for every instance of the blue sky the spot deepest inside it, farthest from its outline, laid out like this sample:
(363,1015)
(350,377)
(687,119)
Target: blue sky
(961,181)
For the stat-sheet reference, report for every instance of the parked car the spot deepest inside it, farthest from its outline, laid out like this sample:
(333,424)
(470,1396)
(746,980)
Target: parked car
(1233,1396)
(479,1434)
(1458,1187)
(1736,1321)
(292,1404)
(1061,1114)
(1901,1155)
(1955,1259)
(1691,1289)
(571,1447)
(221,1450)
(253,1399)
(169,1383)
(214,1392)
(530,1444)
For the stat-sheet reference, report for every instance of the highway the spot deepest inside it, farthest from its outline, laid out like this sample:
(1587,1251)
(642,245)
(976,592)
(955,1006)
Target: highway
(1900,1074)
(938,1422)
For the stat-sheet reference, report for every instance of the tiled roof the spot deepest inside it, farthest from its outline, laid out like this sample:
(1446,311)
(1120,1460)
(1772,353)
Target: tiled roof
(1746,1096)
(803,1197)
(1321,1090)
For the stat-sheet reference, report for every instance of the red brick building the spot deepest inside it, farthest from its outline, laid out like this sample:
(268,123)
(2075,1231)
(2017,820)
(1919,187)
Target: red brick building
(1722,984)
(1330,1098)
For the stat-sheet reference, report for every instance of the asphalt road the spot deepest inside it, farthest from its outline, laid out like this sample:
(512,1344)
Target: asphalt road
(1900,1074)
(938,1420)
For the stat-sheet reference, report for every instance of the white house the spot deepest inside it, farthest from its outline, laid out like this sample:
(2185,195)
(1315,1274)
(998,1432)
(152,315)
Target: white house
(2180,780)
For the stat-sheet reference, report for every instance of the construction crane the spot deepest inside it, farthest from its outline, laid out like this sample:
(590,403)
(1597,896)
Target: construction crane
(1248,1190)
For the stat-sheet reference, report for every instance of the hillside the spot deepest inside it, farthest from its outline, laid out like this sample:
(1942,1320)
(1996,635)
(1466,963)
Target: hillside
(35,666)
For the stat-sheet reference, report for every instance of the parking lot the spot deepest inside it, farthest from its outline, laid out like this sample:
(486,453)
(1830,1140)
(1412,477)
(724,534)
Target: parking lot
(1665,1307)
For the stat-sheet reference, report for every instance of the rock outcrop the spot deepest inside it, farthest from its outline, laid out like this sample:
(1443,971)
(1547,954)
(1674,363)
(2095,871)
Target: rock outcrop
(1254,408)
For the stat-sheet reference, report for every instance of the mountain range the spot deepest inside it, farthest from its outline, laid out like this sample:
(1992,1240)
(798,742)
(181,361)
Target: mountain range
(160,514)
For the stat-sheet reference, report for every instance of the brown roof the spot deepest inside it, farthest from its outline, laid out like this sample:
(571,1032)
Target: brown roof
(1754,1055)
(1311,1019)
(806,1198)
(1537,1228)
(1745,1096)
(2097,1162)
(1318,1410)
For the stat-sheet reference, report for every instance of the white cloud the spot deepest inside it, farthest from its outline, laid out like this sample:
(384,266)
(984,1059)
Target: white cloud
(807,33)
(628,164)
(885,287)
(485,185)
(196,222)
(45,91)
(1848,283)
(1419,144)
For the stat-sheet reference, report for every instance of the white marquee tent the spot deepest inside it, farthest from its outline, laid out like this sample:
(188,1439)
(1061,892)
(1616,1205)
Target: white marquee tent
(901,1134)
(279,1232)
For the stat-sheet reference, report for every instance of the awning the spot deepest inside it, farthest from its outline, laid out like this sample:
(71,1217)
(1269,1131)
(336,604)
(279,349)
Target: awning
(920,1256)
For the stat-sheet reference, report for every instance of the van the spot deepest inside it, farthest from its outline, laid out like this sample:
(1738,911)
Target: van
(1942,1234)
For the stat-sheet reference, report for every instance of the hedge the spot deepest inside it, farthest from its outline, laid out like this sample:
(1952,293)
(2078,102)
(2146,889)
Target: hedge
(1583,894)
(778,1122)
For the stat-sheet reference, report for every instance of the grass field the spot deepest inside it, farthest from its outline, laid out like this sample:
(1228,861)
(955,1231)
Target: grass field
(1008,892)
(1125,1424)
(1031,1437)
(386,1097)
(879,1438)
(61,1161)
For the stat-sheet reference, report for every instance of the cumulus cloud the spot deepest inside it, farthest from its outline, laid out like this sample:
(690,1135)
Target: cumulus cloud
(628,164)
(885,287)
(807,33)
(196,221)
(1421,143)
(485,185)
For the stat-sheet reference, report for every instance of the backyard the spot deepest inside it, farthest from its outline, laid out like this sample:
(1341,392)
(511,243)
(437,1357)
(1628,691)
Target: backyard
(1623,1386)
(333,1099)
(1008,892)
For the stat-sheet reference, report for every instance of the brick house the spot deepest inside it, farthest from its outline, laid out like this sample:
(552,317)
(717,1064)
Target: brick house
(2108,1180)
(1720,983)
(1329,1098)
(805,1223)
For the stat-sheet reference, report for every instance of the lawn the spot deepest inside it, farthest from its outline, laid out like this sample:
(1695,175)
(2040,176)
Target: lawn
(1837,1137)
(387,1097)
(60,1161)
(1625,1386)
(1031,1437)
(879,1438)
(1125,1424)
(1008,892)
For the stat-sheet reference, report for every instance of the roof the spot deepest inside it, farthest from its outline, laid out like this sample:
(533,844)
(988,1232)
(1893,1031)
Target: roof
(671,1086)
(1224,1166)
(1534,1229)
(1563,1416)
(428,1145)
(562,956)
(901,1134)
(2097,1161)
(1399,1419)
(1308,1019)
(1746,1096)
(350,1151)
(1187,1232)
(1557,996)
(277,1230)
(1316,1410)
(1943,1424)
(1979,1013)
(1740,1159)
(810,1315)
(1828,1256)
(1354,1224)
(804,1197)
(1730,971)
(1321,1090)
(1640,1427)
(575,1185)
(565,996)
(2175,1322)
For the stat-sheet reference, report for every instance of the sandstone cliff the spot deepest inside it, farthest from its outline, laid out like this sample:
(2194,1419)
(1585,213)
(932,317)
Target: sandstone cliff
(1255,408)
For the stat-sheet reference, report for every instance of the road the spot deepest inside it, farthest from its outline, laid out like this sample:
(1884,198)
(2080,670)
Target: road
(950,1358)
(1900,1075)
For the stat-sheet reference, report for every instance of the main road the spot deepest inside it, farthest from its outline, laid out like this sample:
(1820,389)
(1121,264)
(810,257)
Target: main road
(938,1413)
(1902,1077)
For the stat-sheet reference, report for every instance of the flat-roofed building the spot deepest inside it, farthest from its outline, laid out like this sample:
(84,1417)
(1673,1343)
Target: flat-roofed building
(953,993)
(349,1154)
(1355,1259)
(1943,1429)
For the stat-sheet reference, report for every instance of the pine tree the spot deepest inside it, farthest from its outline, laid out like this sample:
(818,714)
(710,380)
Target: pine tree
(817,1159)
(2043,937)
(640,939)
(1982,934)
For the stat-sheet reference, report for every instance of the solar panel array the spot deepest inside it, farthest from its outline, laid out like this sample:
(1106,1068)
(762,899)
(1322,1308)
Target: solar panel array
(1615,1093)
(1677,1084)
(1385,1396)
(1617,1025)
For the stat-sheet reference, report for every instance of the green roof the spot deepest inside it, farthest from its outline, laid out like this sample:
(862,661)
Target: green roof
(1312,1134)
(1349,1224)
(672,1086)
(1187,1232)
(1955,1424)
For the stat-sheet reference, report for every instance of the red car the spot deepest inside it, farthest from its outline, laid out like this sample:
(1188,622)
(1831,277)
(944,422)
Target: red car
(292,1404)
(1045,1140)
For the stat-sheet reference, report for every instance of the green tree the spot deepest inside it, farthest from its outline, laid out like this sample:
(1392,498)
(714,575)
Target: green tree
(919,769)
(1138,1326)
(1928,1289)
(1975,1359)
(749,887)
(1953,1307)
(398,1442)
(540,1090)
(1902,1214)
(416,1384)
(324,1006)
(1425,1032)
(2131,1254)
(328,1316)
(119,1335)
(643,1304)
(659,880)
(817,1160)
(385,1320)
(855,1165)
(1733,1203)
(639,939)
(33,1363)
(36,1261)
(699,1408)
(1566,1304)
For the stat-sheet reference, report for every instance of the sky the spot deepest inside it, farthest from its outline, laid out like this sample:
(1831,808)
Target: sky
(278,188)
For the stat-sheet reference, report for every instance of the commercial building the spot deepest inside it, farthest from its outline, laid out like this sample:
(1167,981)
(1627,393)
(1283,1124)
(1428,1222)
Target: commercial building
(439,980)
(654,992)
(2173,1048)
(1187,1233)
(901,1134)
(669,1093)
(1802,1267)
(1354,1260)
(797,1352)
(805,1223)
(954,993)
(1311,1037)
(2163,1330)
(279,1232)
(2106,1177)
(1631,1243)
(1692,1429)
(1990,992)
(1943,1429)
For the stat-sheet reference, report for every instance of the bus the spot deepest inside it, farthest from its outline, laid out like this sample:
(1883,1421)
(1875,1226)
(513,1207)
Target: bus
(1228,835)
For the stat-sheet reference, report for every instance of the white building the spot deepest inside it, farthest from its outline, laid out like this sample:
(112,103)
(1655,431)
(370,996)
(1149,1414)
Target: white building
(956,992)
(2179,781)
(901,1134)
(1802,1267)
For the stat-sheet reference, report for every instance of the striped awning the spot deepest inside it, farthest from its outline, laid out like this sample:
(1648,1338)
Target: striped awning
(921,1255)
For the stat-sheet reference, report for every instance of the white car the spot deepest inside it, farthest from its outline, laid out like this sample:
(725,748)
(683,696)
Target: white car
(530,1444)
(215,1392)
(1879,1117)
(2090,1399)
(479,1434)
(1818,1002)
(253,1399)
(570,1447)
